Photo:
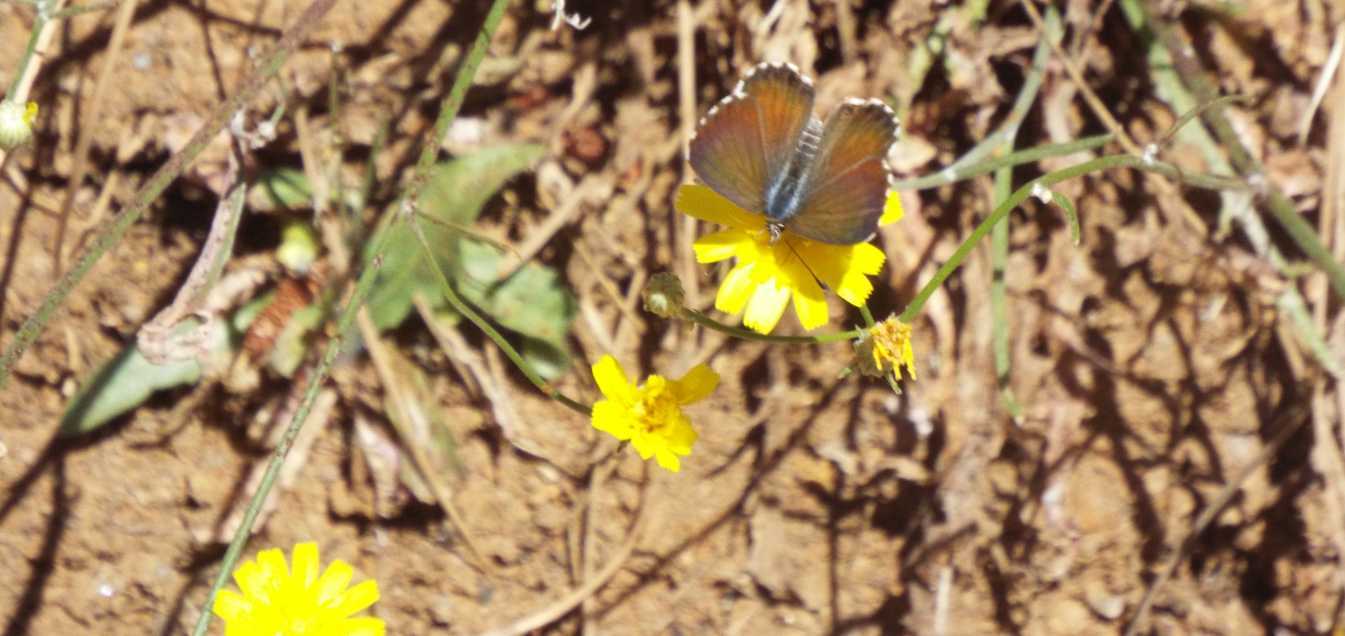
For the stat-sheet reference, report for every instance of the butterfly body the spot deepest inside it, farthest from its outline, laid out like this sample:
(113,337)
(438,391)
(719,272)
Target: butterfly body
(762,149)
(784,194)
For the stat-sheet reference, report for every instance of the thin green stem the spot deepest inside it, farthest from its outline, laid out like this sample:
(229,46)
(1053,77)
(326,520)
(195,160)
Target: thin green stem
(1196,112)
(1045,181)
(344,326)
(453,103)
(334,348)
(39,23)
(491,332)
(113,232)
(1199,180)
(1027,95)
(1189,68)
(747,334)
(1037,153)
(999,301)
(867,315)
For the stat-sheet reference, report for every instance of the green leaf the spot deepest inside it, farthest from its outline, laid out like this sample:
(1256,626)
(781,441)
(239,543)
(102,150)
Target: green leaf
(1070,214)
(550,360)
(281,189)
(452,200)
(291,346)
(127,381)
(534,302)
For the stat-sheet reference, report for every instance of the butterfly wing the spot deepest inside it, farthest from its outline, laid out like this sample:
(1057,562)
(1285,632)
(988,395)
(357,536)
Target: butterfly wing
(745,142)
(846,187)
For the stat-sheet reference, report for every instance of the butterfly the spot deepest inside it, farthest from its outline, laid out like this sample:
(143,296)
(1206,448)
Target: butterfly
(762,148)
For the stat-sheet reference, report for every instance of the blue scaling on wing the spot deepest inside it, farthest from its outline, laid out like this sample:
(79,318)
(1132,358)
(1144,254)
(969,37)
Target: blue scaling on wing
(785,192)
(841,196)
(745,144)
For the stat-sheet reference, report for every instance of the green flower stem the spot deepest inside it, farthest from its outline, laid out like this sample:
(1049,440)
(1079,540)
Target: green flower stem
(747,334)
(453,103)
(347,319)
(1007,129)
(867,315)
(39,23)
(955,173)
(1027,95)
(1189,68)
(491,332)
(1198,111)
(1102,163)
(334,348)
(999,302)
(113,232)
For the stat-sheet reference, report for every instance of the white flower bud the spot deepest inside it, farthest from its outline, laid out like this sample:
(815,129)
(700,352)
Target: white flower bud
(16,123)
(298,247)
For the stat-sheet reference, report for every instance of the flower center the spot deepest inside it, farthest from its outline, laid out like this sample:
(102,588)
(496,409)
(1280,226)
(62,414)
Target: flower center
(656,407)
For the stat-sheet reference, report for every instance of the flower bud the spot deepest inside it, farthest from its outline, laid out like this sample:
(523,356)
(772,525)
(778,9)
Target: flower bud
(885,349)
(16,123)
(298,247)
(663,295)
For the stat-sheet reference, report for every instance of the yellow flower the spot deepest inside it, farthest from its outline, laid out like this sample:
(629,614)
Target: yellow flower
(890,344)
(277,600)
(650,415)
(766,274)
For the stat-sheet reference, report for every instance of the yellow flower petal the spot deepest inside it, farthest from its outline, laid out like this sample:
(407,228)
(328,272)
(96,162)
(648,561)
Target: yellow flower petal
(681,436)
(613,419)
(645,445)
(333,581)
(809,299)
(363,626)
(696,385)
(892,211)
(811,308)
(272,563)
(766,306)
(736,289)
(254,579)
(845,268)
(865,260)
(306,563)
(668,461)
(358,598)
(653,421)
(230,605)
(719,246)
(277,598)
(769,269)
(701,202)
(611,380)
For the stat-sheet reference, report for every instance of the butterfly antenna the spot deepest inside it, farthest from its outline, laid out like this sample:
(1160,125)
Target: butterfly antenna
(805,263)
